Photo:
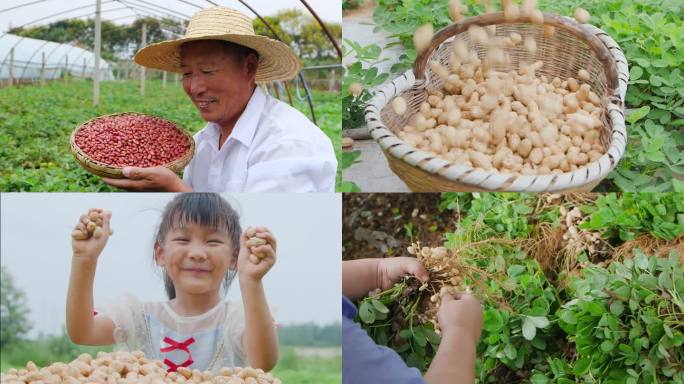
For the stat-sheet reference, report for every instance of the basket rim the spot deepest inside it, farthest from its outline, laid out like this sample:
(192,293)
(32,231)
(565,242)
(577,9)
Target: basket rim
(456,172)
(496,18)
(101,169)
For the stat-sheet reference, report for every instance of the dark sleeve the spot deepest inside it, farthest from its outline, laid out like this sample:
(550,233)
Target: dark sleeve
(363,361)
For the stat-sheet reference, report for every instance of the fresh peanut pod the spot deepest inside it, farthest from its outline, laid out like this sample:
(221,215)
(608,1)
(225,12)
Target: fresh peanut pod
(91,226)
(254,258)
(78,235)
(255,242)
(129,368)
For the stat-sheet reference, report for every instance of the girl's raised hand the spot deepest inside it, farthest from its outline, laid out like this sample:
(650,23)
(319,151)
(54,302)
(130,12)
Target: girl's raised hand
(254,261)
(89,247)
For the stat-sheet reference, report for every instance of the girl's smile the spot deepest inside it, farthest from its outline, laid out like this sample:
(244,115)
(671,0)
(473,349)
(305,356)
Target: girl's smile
(196,258)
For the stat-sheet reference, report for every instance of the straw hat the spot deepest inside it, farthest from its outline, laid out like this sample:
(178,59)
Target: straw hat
(276,60)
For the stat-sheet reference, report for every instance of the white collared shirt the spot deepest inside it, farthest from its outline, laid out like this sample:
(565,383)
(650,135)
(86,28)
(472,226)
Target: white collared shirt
(272,148)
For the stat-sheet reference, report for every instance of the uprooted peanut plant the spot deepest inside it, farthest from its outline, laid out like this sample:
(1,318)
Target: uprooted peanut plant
(576,288)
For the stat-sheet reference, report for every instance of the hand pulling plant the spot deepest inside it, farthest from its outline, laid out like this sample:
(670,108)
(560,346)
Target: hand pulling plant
(589,308)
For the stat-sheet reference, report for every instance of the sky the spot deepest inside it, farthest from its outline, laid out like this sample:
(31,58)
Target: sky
(328,10)
(35,246)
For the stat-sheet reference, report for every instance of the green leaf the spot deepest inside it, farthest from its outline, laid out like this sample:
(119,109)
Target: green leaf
(432,337)
(616,308)
(419,337)
(379,306)
(405,334)
(607,346)
(568,316)
(581,366)
(539,321)
(638,114)
(655,80)
(510,351)
(635,73)
(366,312)
(539,378)
(492,320)
(528,328)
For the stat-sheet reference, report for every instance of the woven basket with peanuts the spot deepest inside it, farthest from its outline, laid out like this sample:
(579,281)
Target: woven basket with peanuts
(516,100)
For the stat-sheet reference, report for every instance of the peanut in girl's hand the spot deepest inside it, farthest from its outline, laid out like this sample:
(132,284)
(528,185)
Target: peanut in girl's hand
(90,226)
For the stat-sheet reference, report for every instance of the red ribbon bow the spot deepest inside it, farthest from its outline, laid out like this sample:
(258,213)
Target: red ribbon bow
(173,345)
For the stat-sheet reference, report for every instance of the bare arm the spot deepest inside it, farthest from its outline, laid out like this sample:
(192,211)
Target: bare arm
(260,339)
(359,277)
(364,275)
(460,319)
(82,326)
(454,362)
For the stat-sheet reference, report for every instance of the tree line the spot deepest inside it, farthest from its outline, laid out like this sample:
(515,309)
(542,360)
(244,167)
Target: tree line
(120,42)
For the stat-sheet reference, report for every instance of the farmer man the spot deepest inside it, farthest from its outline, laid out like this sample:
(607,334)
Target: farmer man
(251,142)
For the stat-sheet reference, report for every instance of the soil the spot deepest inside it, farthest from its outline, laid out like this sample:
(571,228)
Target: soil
(374,225)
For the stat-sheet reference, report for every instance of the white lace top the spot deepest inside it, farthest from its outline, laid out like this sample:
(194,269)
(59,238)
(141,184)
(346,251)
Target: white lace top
(210,341)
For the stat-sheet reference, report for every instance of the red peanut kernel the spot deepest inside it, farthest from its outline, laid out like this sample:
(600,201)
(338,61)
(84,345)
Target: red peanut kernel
(132,140)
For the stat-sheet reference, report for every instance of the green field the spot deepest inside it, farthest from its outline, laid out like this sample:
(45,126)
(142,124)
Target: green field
(35,124)
(294,368)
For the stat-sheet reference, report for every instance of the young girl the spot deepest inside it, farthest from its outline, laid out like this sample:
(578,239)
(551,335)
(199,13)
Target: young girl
(199,246)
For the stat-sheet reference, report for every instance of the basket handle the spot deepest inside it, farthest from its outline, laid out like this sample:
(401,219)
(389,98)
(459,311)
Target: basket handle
(602,53)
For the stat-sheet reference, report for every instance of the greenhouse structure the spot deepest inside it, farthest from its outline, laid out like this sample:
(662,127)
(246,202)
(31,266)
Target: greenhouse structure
(24,58)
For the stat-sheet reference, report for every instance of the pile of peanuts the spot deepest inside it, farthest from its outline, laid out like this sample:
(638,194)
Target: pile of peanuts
(445,270)
(129,368)
(92,229)
(509,121)
(577,239)
(254,241)
(132,140)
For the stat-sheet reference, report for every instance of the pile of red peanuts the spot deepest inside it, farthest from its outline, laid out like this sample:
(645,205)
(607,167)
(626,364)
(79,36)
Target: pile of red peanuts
(132,140)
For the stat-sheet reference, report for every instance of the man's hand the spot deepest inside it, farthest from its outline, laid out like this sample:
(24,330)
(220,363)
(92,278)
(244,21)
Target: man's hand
(392,269)
(159,179)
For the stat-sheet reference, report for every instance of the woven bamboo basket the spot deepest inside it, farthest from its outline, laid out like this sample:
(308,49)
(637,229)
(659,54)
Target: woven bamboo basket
(105,170)
(572,47)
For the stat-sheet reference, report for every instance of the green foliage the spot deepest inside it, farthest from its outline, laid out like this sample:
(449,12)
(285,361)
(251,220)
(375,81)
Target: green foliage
(303,33)
(350,4)
(117,40)
(625,217)
(416,342)
(650,33)
(302,366)
(14,311)
(347,159)
(520,334)
(367,75)
(486,215)
(37,123)
(627,321)
(45,350)
(296,28)
(623,323)
(310,335)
